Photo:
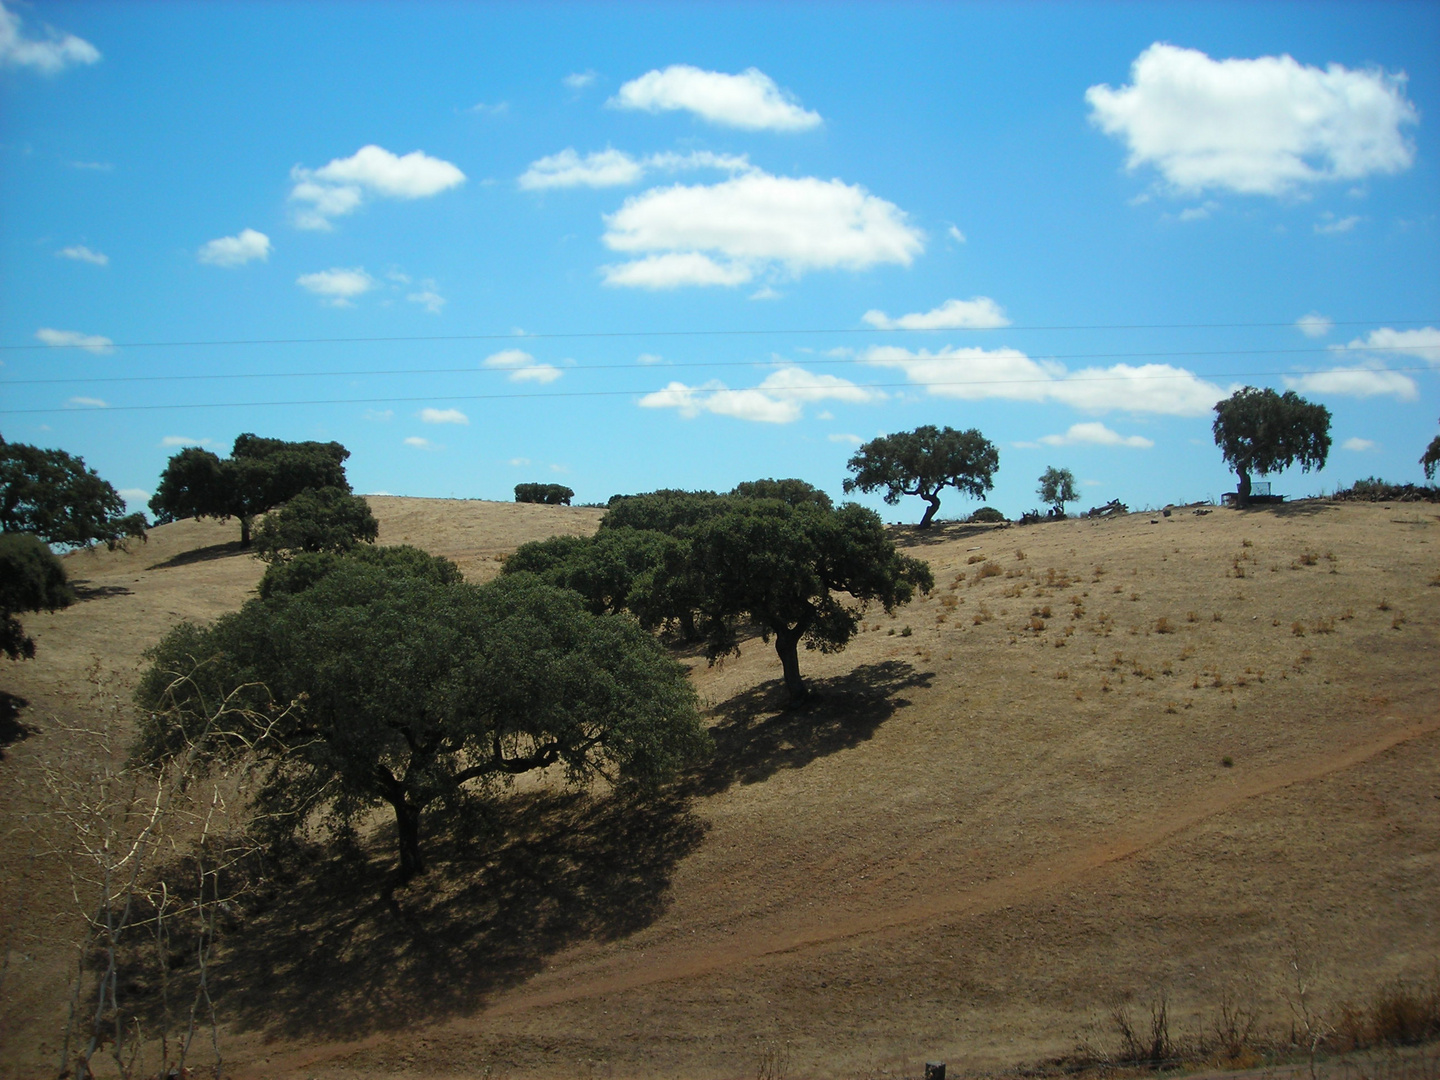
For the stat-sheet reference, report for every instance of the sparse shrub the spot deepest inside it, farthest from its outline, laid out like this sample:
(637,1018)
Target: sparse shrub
(989,570)
(1297,628)
(975,558)
(987,515)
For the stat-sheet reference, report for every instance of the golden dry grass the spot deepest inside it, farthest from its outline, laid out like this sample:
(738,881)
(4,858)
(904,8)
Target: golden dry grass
(1109,764)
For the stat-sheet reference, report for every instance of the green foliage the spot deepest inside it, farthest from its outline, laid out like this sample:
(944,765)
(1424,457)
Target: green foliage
(987,515)
(548,494)
(259,475)
(794,492)
(55,496)
(924,461)
(667,510)
(400,561)
(786,568)
(404,692)
(1431,458)
(603,569)
(317,519)
(31,579)
(1260,431)
(1057,487)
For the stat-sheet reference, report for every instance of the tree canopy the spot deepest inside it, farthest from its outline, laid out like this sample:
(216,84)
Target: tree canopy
(55,496)
(548,494)
(31,579)
(317,519)
(402,691)
(923,462)
(1057,487)
(1260,431)
(259,475)
(603,568)
(1431,458)
(785,567)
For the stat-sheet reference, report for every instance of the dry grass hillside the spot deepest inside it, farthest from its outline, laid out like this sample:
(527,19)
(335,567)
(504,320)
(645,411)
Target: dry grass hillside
(1125,757)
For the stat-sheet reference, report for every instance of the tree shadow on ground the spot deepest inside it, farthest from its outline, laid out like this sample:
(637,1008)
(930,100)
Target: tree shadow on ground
(12,730)
(758,735)
(85,591)
(1299,508)
(336,952)
(199,555)
(940,532)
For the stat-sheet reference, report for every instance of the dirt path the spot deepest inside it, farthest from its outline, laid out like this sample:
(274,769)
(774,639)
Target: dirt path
(634,971)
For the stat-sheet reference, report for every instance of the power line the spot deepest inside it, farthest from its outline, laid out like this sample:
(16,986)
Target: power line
(554,394)
(687,333)
(816,361)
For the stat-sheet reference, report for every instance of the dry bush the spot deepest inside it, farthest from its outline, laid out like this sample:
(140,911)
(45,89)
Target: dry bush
(975,558)
(989,570)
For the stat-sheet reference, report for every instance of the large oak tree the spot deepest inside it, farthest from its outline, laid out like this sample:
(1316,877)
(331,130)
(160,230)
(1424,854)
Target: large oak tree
(923,462)
(1260,431)
(377,684)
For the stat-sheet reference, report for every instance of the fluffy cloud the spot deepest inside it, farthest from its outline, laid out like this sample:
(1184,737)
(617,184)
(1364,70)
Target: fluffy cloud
(1095,433)
(750,100)
(578,80)
(1358,445)
(1262,126)
(727,232)
(978,374)
(1362,382)
(674,270)
(338,285)
(247,246)
(980,313)
(777,400)
(522,366)
(51,54)
(603,168)
(615,168)
(443,416)
(417,442)
(1315,325)
(82,253)
(1423,343)
(340,187)
(73,339)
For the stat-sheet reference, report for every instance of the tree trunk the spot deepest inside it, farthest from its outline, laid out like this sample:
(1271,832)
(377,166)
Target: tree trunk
(687,626)
(407,827)
(786,642)
(1242,492)
(934,501)
(245,531)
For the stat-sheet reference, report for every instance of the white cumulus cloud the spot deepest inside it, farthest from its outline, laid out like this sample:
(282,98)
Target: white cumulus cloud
(981,313)
(340,187)
(81,253)
(615,168)
(1357,444)
(753,222)
(1262,126)
(73,339)
(1423,344)
(1362,382)
(1315,325)
(50,54)
(338,285)
(973,374)
(1095,433)
(246,246)
(779,399)
(522,366)
(603,168)
(750,100)
(443,416)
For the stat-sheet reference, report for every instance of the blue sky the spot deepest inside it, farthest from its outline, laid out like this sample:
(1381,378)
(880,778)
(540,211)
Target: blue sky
(624,247)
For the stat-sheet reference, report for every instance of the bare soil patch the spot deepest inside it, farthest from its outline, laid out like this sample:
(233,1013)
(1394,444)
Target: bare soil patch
(1139,753)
